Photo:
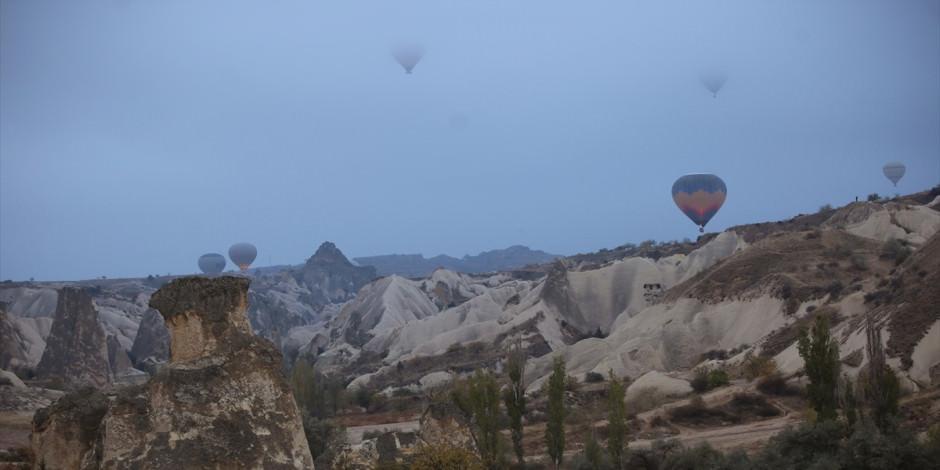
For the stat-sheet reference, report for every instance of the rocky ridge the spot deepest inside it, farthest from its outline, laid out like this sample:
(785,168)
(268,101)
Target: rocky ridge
(221,402)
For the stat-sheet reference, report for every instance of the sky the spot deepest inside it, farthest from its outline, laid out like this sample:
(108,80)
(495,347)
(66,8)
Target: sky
(136,135)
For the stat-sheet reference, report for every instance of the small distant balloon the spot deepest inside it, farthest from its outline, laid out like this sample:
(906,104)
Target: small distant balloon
(243,254)
(458,121)
(894,171)
(212,263)
(699,197)
(714,82)
(408,55)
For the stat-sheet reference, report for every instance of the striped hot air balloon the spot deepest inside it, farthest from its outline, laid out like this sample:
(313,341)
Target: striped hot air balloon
(699,196)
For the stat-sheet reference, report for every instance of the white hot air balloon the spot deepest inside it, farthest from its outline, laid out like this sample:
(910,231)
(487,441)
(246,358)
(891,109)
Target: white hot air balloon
(894,171)
(408,55)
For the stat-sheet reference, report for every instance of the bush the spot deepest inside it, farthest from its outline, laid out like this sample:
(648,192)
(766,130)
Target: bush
(593,377)
(747,404)
(444,457)
(697,413)
(758,366)
(825,208)
(874,197)
(717,378)
(859,262)
(896,250)
(699,383)
(775,384)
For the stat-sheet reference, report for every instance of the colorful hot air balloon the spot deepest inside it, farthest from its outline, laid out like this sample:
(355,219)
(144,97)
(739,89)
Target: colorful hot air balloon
(894,171)
(212,263)
(713,82)
(242,254)
(408,56)
(699,197)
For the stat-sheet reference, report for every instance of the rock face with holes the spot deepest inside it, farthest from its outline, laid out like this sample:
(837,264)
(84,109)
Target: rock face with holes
(221,401)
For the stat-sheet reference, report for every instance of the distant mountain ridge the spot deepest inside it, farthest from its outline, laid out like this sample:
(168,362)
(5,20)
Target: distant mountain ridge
(515,256)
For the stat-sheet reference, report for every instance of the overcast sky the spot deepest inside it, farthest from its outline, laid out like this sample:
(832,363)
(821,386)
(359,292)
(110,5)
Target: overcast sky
(136,135)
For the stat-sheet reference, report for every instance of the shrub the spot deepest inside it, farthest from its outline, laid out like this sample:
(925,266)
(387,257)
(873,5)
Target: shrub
(758,366)
(697,413)
(699,383)
(859,262)
(717,378)
(747,404)
(775,384)
(444,457)
(593,377)
(874,197)
(895,249)
(825,208)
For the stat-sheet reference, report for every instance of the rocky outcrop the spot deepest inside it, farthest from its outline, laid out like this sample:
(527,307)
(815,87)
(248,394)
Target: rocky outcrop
(331,278)
(514,257)
(152,344)
(76,351)
(221,401)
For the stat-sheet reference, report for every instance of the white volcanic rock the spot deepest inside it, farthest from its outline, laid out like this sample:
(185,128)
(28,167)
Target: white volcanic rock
(668,386)
(29,301)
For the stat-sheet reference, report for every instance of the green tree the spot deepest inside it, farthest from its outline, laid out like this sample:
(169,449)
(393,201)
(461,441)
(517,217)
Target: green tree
(849,402)
(308,389)
(514,398)
(555,429)
(882,388)
(820,355)
(478,399)
(592,451)
(616,419)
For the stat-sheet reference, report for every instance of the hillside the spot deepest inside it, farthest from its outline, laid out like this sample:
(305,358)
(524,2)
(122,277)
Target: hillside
(651,313)
(416,266)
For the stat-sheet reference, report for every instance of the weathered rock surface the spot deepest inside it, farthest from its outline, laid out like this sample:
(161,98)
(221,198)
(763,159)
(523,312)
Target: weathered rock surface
(152,343)
(221,402)
(76,350)
(331,278)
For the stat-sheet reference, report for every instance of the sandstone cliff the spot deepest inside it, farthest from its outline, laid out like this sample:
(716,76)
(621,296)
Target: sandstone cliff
(221,402)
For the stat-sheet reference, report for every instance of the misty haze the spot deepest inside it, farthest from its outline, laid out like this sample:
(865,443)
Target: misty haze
(470,235)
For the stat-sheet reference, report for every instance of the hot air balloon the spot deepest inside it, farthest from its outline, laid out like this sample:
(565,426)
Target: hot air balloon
(699,196)
(212,263)
(242,254)
(408,56)
(894,171)
(714,82)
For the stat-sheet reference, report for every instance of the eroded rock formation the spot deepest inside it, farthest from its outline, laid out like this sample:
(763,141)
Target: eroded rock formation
(76,350)
(221,402)
(151,346)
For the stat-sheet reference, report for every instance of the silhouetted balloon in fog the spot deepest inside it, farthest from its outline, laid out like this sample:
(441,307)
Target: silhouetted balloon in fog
(243,254)
(894,171)
(713,82)
(212,263)
(699,196)
(408,56)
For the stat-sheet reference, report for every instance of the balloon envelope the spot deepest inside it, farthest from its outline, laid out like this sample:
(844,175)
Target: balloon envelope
(714,82)
(212,263)
(699,196)
(408,56)
(242,254)
(894,171)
